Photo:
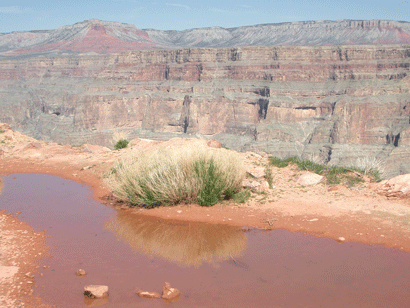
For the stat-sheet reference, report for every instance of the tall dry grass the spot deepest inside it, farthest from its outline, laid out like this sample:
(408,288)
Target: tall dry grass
(174,175)
(370,164)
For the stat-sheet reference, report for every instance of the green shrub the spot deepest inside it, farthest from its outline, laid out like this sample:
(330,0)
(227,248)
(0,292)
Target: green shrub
(177,175)
(122,143)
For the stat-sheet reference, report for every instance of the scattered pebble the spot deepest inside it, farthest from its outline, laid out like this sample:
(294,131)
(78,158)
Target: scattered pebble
(80,272)
(341,239)
(146,294)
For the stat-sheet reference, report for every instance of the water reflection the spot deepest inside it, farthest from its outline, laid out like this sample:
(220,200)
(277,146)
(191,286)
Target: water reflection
(95,302)
(185,243)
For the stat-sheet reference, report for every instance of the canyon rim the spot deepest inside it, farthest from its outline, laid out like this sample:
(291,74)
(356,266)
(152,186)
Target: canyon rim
(333,91)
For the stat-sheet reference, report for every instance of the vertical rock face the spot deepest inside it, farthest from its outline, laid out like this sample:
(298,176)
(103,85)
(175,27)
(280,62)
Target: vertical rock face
(336,103)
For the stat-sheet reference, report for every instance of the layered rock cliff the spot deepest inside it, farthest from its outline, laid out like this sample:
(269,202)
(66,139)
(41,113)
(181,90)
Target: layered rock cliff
(335,104)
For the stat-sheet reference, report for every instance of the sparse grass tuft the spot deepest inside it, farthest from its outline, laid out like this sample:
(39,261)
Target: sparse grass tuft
(278,162)
(333,174)
(242,196)
(268,176)
(177,175)
(353,180)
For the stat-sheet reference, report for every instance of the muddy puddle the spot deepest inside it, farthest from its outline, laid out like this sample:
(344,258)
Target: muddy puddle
(212,265)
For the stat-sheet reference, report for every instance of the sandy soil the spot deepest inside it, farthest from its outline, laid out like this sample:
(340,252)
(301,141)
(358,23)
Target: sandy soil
(20,248)
(373,213)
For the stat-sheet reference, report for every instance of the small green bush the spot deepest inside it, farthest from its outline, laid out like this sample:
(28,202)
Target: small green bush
(353,180)
(122,143)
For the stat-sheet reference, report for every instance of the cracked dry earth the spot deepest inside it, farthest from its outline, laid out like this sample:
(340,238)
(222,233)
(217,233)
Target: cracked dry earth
(373,213)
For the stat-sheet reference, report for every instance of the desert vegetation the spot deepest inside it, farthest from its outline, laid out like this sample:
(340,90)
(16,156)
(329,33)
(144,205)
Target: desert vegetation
(120,144)
(349,176)
(119,140)
(174,175)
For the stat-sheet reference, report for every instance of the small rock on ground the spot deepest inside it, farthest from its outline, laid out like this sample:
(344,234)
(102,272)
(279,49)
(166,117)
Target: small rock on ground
(309,178)
(214,144)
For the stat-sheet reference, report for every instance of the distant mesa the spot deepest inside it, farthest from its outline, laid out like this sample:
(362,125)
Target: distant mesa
(105,37)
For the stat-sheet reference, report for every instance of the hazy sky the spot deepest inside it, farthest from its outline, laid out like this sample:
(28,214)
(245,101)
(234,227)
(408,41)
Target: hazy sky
(17,15)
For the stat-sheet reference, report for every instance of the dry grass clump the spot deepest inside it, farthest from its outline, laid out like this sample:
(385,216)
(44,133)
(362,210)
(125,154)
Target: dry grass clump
(177,175)
(370,165)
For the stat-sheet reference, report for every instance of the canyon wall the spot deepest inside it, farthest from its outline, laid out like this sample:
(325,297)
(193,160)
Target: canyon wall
(335,104)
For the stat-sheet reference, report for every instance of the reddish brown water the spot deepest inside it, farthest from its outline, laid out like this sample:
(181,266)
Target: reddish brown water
(212,265)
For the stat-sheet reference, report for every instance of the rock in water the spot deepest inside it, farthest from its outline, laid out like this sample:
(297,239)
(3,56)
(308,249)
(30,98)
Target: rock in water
(147,294)
(96,291)
(169,293)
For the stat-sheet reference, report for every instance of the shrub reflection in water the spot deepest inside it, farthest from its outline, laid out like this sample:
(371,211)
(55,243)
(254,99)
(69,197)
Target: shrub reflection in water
(184,243)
